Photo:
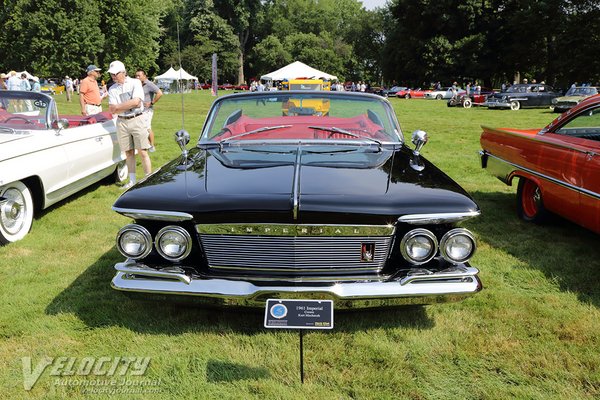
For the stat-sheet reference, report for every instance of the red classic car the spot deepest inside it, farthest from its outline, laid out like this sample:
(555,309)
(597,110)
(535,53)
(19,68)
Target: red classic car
(413,93)
(558,167)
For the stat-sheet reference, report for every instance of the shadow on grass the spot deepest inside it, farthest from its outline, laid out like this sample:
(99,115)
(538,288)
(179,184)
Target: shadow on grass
(565,252)
(92,299)
(221,371)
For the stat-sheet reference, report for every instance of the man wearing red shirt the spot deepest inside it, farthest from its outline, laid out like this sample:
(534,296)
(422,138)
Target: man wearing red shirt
(89,92)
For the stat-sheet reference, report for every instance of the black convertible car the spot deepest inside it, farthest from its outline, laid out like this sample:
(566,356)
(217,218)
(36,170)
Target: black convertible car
(299,195)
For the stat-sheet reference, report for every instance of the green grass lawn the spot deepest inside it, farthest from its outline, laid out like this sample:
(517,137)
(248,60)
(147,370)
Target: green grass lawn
(532,333)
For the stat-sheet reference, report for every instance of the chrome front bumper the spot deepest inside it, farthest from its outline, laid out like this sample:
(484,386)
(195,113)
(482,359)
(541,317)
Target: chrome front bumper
(449,285)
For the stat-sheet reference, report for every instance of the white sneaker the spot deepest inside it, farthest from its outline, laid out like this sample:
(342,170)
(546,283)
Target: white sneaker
(152,149)
(127,185)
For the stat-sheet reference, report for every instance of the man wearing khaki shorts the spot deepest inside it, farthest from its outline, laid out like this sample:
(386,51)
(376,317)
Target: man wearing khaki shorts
(125,99)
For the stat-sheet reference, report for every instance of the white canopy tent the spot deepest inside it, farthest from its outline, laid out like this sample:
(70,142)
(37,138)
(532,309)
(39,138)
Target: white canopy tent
(29,76)
(296,70)
(171,80)
(171,74)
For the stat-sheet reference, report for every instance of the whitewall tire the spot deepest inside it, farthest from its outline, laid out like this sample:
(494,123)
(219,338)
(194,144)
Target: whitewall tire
(16,212)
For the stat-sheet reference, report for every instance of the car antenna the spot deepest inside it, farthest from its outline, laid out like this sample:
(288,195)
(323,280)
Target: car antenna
(182,137)
(179,81)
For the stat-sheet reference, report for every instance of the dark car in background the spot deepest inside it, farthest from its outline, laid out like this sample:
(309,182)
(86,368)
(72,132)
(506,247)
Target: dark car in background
(300,204)
(523,95)
(391,91)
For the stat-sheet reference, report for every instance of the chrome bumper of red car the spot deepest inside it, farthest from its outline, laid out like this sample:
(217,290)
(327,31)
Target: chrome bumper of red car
(450,285)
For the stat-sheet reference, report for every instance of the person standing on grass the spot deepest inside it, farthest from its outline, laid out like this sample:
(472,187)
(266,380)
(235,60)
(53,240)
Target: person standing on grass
(89,92)
(126,100)
(69,87)
(152,94)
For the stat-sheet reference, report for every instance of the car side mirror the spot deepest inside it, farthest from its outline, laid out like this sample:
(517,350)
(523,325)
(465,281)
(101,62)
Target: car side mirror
(61,124)
(419,138)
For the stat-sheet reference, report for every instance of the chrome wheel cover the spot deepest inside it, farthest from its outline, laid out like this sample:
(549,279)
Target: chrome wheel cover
(13,212)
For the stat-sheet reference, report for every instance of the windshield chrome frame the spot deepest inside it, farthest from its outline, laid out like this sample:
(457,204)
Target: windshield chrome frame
(216,104)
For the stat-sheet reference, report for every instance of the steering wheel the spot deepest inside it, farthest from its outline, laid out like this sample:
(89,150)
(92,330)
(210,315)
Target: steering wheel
(18,117)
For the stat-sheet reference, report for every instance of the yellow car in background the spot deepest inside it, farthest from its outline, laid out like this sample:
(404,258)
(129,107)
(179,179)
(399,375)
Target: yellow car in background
(50,87)
(317,107)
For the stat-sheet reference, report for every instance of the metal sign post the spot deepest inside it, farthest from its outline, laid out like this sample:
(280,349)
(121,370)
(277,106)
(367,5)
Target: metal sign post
(301,315)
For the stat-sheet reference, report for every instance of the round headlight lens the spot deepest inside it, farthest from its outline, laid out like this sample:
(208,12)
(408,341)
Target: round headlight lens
(173,243)
(134,241)
(418,246)
(457,246)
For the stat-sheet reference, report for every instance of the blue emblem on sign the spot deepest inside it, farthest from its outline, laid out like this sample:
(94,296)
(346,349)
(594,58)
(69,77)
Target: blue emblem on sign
(279,311)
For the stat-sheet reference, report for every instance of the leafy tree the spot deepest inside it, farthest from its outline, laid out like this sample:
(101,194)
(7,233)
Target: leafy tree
(320,52)
(55,45)
(238,14)
(268,55)
(132,29)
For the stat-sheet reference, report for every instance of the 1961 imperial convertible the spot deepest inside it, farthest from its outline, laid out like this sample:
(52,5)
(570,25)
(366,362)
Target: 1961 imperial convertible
(282,201)
(45,157)
(558,167)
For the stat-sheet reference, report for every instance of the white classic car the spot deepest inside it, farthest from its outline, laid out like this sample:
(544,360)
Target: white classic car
(45,157)
(445,93)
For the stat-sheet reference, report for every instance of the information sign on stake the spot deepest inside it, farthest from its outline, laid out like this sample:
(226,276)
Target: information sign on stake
(301,315)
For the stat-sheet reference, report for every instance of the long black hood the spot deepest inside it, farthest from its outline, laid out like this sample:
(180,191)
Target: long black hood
(324,184)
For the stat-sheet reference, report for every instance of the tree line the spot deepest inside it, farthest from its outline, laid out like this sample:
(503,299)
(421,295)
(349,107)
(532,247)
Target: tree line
(413,42)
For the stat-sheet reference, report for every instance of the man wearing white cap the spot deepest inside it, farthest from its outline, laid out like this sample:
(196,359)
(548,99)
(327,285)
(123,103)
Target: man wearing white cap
(125,99)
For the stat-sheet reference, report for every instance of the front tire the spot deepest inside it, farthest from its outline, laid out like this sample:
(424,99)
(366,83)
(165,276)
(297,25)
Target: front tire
(467,103)
(438,97)
(121,172)
(515,105)
(530,205)
(407,96)
(16,212)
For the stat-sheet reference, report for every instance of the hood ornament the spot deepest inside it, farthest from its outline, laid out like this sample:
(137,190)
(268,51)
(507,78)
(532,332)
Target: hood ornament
(419,139)
(182,137)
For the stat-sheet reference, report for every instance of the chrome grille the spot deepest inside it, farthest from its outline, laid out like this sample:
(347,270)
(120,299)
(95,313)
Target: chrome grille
(294,254)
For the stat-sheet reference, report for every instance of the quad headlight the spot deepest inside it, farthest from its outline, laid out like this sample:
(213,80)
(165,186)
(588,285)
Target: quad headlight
(457,246)
(134,241)
(173,243)
(419,246)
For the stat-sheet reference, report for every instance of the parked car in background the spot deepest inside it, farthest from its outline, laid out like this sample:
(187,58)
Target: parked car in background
(523,95)
(412,93)
(478,97)
(299,205)
(45,157)
(50,87)
(573,97)
(445,93)
(558,167)
(391,91)
(243,86)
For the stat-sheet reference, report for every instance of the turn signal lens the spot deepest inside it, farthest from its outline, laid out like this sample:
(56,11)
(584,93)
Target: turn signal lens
(419,246)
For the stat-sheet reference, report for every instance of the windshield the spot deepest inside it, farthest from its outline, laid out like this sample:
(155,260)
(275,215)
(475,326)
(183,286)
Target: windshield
(582,91)
(518,89)
(306,116)
(26,110)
